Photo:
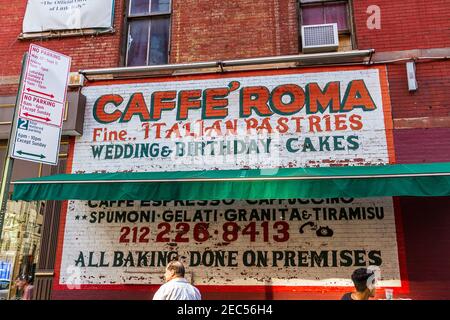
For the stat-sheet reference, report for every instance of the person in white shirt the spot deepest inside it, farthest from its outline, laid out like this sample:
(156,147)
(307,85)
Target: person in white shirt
(176,286)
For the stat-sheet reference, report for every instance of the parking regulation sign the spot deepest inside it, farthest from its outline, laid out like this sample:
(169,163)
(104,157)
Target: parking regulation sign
(41,106)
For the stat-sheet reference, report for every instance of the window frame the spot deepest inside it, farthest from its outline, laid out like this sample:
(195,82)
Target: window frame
(128,17)
(351,26)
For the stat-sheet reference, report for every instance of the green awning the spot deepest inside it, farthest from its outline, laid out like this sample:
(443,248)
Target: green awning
(431,179)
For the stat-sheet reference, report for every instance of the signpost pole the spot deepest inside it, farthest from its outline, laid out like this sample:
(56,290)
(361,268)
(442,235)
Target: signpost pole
(9,161)
(38,115)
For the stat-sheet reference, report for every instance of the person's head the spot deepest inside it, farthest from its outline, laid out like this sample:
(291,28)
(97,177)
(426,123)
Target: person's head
(21,281)
(364,281)
(174,269)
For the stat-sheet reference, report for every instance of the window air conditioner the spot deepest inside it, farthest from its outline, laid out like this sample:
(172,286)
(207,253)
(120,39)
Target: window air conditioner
(320,38)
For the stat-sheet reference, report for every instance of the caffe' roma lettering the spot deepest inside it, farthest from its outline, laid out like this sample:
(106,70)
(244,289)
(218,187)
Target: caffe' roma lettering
(285,99)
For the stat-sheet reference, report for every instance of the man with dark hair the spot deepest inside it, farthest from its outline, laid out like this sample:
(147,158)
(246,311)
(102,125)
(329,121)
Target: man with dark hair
(364,281)
(176,286)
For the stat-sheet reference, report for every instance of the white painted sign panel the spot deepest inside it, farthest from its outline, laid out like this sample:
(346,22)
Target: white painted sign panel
(46,80)
(41,109)
(290,242)
(41,106)
(277,120)
(256,120)
(67,15)
(36,141)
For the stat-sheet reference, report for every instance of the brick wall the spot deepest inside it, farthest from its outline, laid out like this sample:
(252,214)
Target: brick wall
(421,118)
(412,24)
(209,30)
(430,100)
(426,222)
(422,145)
(86,51)
(218,30)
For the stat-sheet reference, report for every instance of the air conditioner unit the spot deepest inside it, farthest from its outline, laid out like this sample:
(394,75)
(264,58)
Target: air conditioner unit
(320,38)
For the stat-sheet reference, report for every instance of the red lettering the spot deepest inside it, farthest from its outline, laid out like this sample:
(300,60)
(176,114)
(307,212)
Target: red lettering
(320,100)
(356,122)
(357,96)
(99,108)
(251,123)
(215,103)
(340,122)
(161,101)
(256,98)
(282,126)
(136,106)
(186,102)
(314,124)
(296,96)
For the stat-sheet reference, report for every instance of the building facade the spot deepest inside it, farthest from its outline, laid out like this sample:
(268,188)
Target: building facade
(232,85)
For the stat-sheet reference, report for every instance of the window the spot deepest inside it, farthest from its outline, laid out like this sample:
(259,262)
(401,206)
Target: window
(148,24)
(320,12)
(4,284)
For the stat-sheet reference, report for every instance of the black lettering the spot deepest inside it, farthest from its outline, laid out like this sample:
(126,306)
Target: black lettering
(80,260)
(276,256)
(92,205)
(249,258)
(232,256)
(102,260)
(289,260)
(346,258)
(320,259)
(142,258)
(303,258)
(375,258)
(359,258)
(129,260)
(118,259)
(261,259)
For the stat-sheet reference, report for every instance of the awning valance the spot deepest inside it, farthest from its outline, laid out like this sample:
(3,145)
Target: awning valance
(431,179)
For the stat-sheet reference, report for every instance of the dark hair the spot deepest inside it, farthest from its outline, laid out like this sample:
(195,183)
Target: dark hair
(360,277)
(28,279)
(177,267)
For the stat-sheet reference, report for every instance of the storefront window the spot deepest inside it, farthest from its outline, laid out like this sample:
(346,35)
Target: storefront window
(19,251)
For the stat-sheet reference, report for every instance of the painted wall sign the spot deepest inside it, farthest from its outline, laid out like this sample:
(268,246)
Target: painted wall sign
(295,242)
(286,119)
(67,15)
(41,106)
(263,119)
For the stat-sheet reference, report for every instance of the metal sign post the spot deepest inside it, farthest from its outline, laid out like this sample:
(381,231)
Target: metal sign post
(38,114)
(9,161)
